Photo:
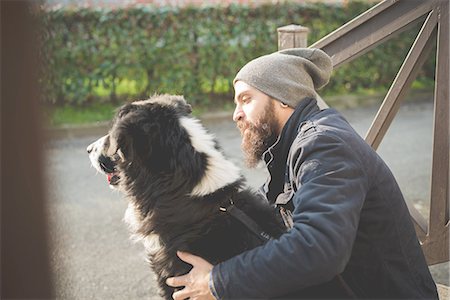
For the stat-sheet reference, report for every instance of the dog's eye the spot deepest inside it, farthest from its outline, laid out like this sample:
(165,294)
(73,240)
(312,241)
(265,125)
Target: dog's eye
(116,157)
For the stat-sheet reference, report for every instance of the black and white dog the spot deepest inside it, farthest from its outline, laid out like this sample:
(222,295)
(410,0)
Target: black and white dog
(182,193)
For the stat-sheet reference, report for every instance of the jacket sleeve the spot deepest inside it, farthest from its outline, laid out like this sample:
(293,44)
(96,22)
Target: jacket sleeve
(331,190)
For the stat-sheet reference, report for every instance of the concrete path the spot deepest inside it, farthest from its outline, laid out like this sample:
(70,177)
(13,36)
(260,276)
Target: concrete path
(92,256)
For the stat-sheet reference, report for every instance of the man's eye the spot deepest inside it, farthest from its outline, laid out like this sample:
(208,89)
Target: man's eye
(246,99)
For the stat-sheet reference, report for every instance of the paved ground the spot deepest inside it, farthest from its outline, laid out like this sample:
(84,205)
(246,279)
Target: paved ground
(93,257)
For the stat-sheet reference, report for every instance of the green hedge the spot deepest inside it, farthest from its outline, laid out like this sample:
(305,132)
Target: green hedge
(114,55)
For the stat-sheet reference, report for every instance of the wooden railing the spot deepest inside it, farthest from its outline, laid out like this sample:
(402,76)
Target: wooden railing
(377,25)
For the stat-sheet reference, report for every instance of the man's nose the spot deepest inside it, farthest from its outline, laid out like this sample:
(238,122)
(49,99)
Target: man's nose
(238,114)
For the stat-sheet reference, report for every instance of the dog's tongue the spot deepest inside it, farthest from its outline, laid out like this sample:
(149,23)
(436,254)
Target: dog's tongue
(109,176)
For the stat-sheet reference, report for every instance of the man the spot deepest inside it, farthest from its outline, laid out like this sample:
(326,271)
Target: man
(350,235)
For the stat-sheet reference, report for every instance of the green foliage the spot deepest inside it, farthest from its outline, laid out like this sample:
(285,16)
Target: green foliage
(74,115)
(115,55)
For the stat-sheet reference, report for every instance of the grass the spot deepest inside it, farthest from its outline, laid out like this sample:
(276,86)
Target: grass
(103,112)
(72,115)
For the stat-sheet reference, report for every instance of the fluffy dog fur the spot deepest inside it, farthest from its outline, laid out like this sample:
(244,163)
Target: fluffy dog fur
(176,179)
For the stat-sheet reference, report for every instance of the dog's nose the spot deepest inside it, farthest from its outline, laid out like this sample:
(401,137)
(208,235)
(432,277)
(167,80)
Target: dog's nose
(90,148)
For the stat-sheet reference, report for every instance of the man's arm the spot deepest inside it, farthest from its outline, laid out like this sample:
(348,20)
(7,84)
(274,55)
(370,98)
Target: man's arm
(331,189)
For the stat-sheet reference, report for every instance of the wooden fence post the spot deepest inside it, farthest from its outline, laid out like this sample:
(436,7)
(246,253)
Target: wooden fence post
(292,36)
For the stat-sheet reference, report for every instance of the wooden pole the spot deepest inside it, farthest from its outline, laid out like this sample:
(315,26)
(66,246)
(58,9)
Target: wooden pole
(292,36)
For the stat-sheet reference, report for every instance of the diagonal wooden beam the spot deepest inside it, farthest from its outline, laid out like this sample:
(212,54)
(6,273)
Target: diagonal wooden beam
(408,72)
(378,24)
(391,104)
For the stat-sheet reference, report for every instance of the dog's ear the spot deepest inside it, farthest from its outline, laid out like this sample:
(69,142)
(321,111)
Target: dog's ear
(140,137)
(185,108)
(119,151)
(120,139)
(121,143)
(124,110)
(132,141)
(180,104)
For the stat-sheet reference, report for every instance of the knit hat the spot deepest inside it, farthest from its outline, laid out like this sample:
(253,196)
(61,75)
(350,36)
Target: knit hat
(288,75)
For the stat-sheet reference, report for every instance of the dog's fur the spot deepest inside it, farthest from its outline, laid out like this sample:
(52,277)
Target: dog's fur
(177,180)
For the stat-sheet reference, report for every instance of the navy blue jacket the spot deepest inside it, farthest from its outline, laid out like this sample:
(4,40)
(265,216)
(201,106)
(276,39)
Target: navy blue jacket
(349,218)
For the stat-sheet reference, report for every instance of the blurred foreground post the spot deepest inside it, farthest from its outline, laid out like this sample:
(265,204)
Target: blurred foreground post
(25,271)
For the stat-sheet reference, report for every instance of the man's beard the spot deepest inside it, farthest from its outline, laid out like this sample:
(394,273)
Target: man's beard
(257,138)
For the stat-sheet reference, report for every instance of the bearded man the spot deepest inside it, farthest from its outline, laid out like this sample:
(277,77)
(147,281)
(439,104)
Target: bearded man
(350,234)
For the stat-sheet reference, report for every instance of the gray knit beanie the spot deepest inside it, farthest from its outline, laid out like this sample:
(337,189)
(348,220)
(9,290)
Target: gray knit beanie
(288,75)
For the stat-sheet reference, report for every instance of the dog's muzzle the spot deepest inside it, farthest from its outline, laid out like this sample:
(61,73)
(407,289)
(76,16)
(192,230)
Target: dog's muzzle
(102,162)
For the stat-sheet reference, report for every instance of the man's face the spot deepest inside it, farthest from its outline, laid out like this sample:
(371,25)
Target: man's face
(254,116)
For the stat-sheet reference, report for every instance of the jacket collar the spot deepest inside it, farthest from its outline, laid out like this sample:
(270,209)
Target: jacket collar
(276,155)
(282,145)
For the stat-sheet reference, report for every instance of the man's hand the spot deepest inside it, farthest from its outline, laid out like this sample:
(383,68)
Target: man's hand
(196,282)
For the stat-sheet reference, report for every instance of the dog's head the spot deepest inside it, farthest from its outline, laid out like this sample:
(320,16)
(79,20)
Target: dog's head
(156,145)
(145,134)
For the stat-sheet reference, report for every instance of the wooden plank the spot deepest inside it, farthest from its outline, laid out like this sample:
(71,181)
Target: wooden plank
(439,207)
(420,223)
(357,21)
(373,29)
(408,72)
(292,36)
(436,250)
